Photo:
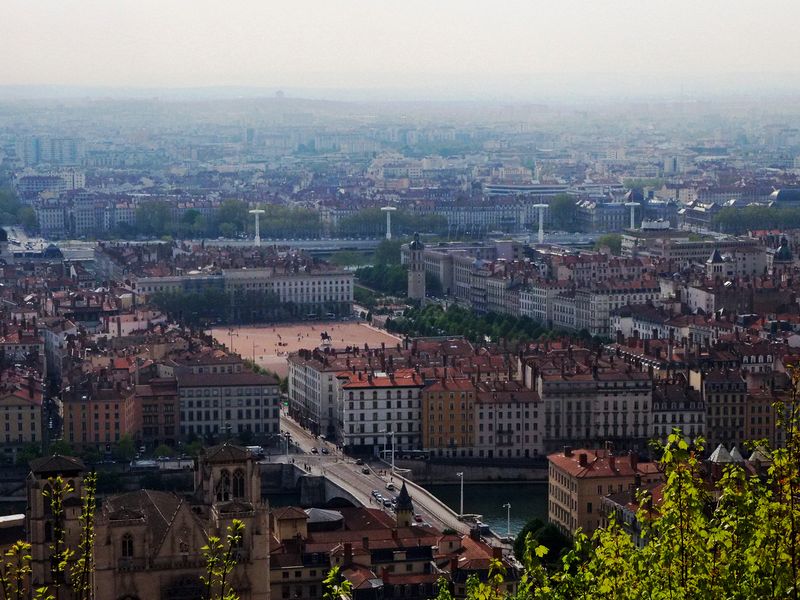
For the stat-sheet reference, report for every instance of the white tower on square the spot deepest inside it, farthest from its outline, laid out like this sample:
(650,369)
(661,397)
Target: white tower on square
(542,208)
(257,212)
(388,210)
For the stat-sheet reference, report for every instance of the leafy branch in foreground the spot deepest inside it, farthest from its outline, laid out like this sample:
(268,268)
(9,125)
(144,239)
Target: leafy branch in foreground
(336,586)
(221,559)
(705,535)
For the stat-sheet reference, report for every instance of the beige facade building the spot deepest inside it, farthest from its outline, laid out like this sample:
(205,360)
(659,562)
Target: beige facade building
(20,416)
(579,479)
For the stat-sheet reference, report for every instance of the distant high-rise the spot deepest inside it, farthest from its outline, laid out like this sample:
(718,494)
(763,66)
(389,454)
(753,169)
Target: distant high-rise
(38,149)
(416,270)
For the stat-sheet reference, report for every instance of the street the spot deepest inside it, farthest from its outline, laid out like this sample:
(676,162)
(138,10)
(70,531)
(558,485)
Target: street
(343,471)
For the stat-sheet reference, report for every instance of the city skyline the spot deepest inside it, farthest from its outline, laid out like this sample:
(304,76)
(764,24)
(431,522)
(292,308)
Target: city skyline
(445,50)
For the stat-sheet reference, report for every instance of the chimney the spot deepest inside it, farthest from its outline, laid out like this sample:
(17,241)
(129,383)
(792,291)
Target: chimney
(634,461)
(612,461)
(348,554)
(567,451)
(583,459)
(365,542)
(497,553)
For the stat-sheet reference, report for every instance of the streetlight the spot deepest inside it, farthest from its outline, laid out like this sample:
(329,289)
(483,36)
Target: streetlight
(507,506)
(391,433)
(461,506)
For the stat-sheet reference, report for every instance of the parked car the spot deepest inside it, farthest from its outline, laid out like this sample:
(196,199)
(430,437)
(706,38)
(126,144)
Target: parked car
(390,486)
(314,451)
(324,450)
(359,462)
(365,470)
(418,518)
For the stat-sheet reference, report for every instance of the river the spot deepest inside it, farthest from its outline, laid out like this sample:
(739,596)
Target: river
(528,500)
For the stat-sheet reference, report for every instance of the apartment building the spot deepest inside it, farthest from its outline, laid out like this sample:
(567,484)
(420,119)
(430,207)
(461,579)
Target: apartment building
(156,412)
(536,300)
(724,393)
(97,413)
(378,409)
(508,421)
(20,415)
(579,479)
(676,405)
(448,421)
(222,404)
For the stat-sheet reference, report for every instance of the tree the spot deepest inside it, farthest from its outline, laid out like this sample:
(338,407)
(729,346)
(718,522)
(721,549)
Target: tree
(221,559)
(611,240)
(234,215)
(388,252)
(740,541)
(125,449)
(28,453)
(26,217)
(164,450)
(61,447)
(336,586)
(227,229)
(153,218)
(562,212)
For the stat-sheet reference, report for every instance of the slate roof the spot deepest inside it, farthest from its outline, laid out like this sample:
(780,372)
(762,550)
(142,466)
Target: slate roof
(158,509)
(56,464)
(720,455)
(226,453)
(404,500)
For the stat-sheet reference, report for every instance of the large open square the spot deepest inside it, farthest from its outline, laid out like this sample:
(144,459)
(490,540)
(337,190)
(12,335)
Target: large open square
(269,345)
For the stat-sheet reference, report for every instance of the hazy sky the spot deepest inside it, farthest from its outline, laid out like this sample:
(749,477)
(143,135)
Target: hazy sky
(371,44)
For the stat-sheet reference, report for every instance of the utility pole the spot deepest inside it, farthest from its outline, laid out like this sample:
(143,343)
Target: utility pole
(507,506)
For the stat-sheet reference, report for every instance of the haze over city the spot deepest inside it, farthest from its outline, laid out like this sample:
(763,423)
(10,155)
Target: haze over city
(412,300)
(357,49)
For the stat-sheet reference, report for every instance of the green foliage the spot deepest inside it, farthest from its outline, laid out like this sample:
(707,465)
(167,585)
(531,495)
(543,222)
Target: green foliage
(153,218)
(371,222)
(125,448)
(28,453)
(364,297)
(13,212)
(61,447)
(739,542)
(217,306)
(26,217)
(456,320)
(387,279)
(562,212)
(336,586)
(612,241)
(388,252)
(740,220)
(83,567)
(221,559)
(156,219)
(164,450)
(348,258)
(15,570)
